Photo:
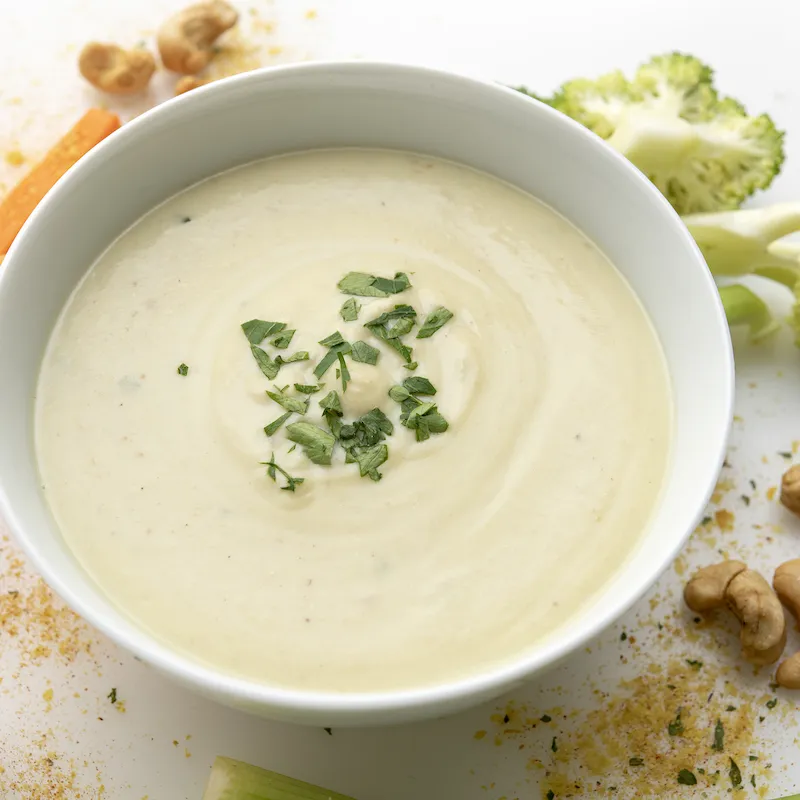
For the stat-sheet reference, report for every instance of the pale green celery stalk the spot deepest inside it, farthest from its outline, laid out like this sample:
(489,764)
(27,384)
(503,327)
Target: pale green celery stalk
(235,780)
(744,307)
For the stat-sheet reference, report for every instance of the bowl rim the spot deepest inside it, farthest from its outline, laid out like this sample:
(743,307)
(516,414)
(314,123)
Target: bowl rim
(489,682)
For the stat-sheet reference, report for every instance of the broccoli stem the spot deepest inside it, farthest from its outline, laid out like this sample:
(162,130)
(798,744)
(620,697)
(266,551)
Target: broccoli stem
(744,307)
(236,780)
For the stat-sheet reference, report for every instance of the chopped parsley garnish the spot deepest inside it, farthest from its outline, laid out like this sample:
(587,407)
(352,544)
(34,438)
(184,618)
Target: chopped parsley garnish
(719,737)
(317,444)
(269,367)
(686,778)
(554,745)
(364,285)
(276,423)
(301,355)
(308,388)
(273,469)
(256,330)
(772,703)
(435,320)
(112,695)
(183,370)
(295,404)
(337,347)
(675,728)
(636,762)
(545,718)
(349,311)
(693,663)
(550,794)
(282,340)
(735,774)
(419,385)
(364,353)
(343,372)
(391,325)
(411,365)
(370,458)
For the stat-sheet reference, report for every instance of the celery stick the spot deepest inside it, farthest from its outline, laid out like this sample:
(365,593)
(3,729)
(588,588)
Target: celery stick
(235,780)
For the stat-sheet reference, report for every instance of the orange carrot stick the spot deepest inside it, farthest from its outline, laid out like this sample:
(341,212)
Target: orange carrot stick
(18,205)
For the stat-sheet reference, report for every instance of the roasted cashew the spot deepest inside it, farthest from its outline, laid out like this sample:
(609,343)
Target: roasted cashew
(706,590)
(187,83)
(757,607)
(787,586)
(751,599)
(185,40)
(788,672)
(114,70)
(790,489)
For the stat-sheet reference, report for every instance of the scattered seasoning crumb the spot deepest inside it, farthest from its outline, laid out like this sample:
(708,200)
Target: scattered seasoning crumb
(550,794)
(554,745)
(745,499)
(545,718)
(785,454)
(636,762)
(112,695)
(772,703)
(14,158)
(329,731)
(771,492)
(311,13)
(753,484)
(693,663)
(623,636)
(479,735)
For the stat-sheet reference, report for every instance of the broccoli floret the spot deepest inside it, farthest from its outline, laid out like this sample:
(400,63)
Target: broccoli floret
(744,307)
(703,152)
(751,242)
(746,241)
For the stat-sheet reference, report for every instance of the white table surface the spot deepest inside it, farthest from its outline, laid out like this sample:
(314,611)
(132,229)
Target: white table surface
(159,743)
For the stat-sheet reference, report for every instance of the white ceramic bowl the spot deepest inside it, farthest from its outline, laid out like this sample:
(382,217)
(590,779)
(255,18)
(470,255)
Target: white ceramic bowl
(376,105)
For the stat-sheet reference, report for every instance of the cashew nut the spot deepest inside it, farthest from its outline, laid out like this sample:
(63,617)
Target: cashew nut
(790,489)
(187,83)
(706,590)
(114,70)
(787,586)
(788,672)
(751,599)
(185,40)
(757,607)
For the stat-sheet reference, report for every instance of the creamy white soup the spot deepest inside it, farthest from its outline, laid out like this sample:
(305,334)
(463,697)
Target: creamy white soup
(547,437)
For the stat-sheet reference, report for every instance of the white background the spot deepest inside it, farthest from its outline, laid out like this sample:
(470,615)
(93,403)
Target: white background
(754,49)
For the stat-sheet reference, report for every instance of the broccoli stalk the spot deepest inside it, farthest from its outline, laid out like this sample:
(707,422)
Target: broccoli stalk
(702,151)
(749,242)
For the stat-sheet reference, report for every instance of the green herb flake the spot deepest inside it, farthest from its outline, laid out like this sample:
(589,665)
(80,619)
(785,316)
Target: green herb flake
(675,728)
(296,404)
(785,454)
(772,703)
(550,794)
(300,355)
(735,774)
(349,311)
(272,470)
(693,663)
(183,370)
(370,458)
(554,745)
(719,737)
(364,353)
(753,781)
(730,708)
(317,444)
(623,636)
(418,385)
(256,330)
(331,402)
(307,388)
(636,762)
(336,345)
(343,371)
(436,319)
(112,695)
(334,339)
(365,285)
(686,778)
(411,365)
(545,718)
(283,339)
(329,731)
(269,367)
(276,423)
(752,758)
